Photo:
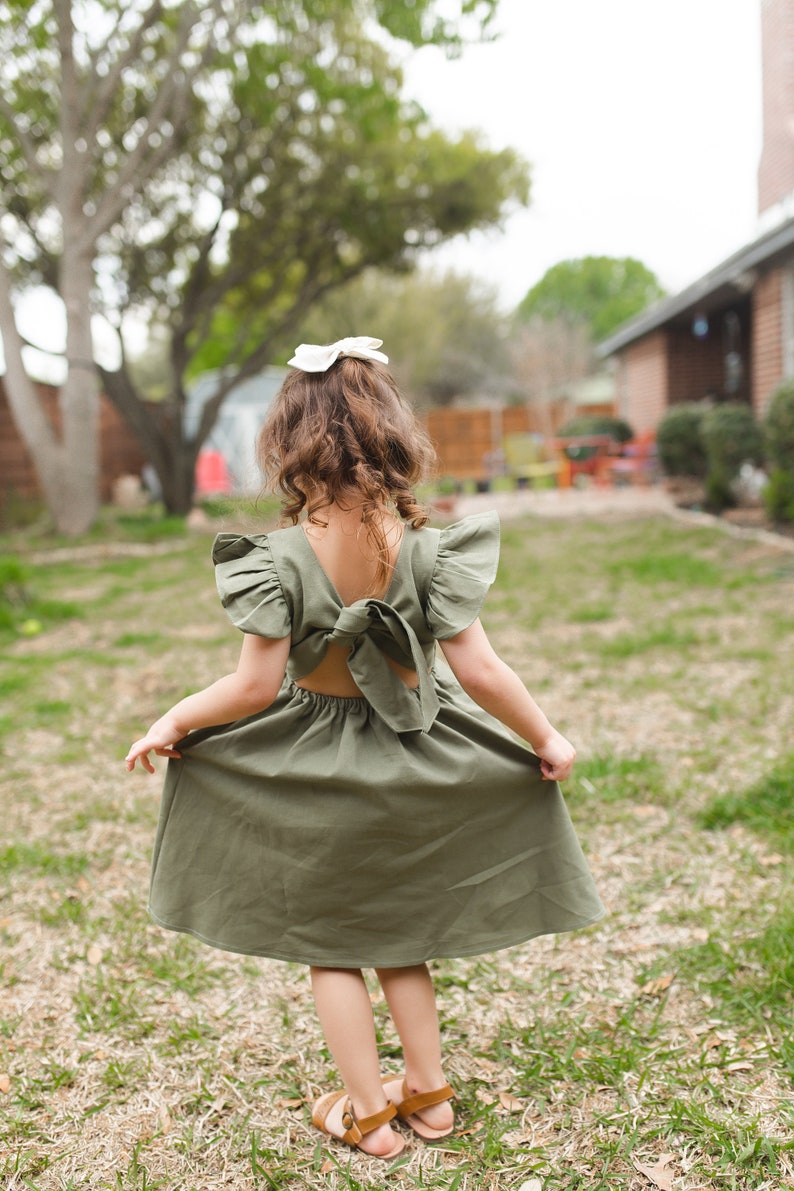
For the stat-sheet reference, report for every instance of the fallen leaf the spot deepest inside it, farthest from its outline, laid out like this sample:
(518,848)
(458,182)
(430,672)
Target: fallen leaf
(327,1166)
(508,1101)
(285,1102)
(5,1083)
(772,860)
(94,955)
(659,1175)
(165,1119)
(531,1185)
(654,987)
(739,1067)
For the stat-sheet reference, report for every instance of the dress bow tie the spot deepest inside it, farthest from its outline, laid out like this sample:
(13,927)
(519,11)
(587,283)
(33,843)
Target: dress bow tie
(358,626)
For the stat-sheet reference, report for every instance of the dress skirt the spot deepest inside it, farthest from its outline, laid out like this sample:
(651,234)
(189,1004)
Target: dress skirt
(313,833)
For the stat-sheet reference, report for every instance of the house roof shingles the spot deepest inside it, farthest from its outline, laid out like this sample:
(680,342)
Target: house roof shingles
(724,283)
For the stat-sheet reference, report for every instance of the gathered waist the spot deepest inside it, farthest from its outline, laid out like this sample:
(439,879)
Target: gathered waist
(322,697)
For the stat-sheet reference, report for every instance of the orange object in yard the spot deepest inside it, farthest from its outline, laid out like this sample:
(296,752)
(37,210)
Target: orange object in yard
(585,455)
(212,474)
(638,463)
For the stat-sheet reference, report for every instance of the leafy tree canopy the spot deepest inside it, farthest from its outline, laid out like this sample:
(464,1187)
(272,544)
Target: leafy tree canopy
(443,332)
(600,291)
(217,168)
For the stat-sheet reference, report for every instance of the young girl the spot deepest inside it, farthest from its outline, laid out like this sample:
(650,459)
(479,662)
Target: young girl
(338,801)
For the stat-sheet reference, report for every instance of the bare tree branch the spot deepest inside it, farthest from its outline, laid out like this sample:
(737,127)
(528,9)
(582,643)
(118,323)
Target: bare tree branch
(170,104)
(98,103)
(71,180)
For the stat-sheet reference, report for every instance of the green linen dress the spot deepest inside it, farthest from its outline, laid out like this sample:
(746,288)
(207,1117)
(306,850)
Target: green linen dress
(377,831)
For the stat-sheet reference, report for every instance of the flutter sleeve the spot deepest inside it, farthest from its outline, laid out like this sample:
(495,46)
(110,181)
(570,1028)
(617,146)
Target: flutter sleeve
(468,555)
(249,586)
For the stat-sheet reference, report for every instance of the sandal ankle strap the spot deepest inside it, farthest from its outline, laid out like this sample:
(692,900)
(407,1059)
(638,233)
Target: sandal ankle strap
(411,1104)
(355,1128)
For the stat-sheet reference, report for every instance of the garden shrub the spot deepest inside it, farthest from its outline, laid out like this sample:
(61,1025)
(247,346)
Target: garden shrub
(679,441)
(779,428)
(778,495)
(731,437)
(779,440)
(719,493)
(590,425)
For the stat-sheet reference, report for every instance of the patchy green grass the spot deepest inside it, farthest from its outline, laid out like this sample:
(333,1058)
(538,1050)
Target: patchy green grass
(613,778)
(139,1059)
(766,807)
(24,611)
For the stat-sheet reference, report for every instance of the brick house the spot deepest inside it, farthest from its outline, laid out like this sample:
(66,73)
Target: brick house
(729,335)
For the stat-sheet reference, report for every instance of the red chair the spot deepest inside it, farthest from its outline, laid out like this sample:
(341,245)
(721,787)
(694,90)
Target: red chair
(212,474)
(637,462)
(584,455)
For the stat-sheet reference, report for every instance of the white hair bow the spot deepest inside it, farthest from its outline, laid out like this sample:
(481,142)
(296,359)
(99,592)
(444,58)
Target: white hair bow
(314,357)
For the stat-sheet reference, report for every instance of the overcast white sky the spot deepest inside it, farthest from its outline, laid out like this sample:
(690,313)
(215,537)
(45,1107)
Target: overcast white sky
(642,123)
(641,120)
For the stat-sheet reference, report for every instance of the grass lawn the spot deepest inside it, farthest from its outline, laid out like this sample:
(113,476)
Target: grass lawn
(653,1050)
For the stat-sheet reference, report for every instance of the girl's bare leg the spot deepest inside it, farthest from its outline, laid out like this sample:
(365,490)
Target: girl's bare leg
(345,1013)
(411,999)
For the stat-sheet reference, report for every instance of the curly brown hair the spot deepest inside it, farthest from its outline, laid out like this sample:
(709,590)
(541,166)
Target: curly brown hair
(346,436)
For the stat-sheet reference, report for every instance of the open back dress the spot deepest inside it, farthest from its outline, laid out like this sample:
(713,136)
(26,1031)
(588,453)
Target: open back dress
(376,831)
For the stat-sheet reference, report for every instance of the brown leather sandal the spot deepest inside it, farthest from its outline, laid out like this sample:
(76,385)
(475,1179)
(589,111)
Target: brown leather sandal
(355,1130)
(412,1103)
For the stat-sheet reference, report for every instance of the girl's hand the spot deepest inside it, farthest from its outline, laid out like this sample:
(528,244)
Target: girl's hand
(557,756)
(160,740)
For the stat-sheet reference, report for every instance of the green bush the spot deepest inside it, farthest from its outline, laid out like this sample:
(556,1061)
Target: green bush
(589,425)
(719,493)
(679,441)
(779,428)
(779,441)
(778,495)
(732,437)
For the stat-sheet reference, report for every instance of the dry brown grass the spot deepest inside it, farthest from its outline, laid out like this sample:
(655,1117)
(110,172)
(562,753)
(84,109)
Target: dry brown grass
(136,1059)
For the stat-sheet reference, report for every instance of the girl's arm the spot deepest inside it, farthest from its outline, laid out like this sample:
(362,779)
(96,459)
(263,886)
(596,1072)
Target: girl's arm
(252,688)
(490,682)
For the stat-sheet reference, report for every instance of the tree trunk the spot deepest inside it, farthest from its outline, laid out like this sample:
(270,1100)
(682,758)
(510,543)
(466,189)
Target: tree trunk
(79,400)
(178,483)
(27,410)
(159,428)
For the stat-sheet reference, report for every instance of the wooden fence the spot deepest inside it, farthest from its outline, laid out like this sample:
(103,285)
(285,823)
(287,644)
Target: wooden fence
(470,442)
